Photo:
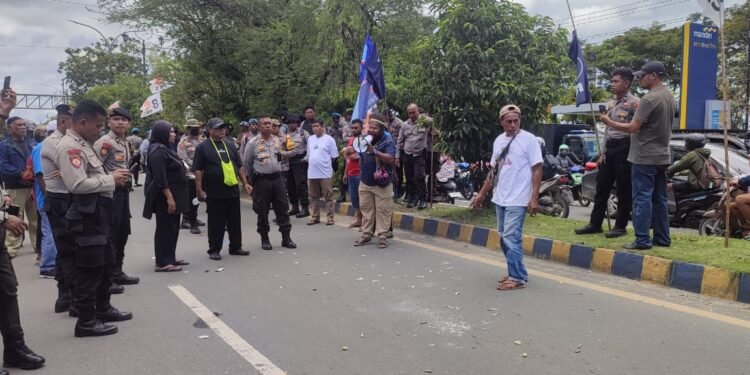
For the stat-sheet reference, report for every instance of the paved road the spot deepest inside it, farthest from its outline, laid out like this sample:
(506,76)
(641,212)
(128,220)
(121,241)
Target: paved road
(421,306)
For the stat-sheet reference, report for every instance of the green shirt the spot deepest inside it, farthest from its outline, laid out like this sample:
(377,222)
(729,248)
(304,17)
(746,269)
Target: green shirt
(650,145)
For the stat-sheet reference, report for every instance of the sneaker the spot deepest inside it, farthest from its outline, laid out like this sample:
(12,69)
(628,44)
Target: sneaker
(48,274)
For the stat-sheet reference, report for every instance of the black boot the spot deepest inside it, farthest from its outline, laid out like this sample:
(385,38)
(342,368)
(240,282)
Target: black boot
(286,240)
(73,312)
(194,229)
(265,243)
(62,304)
(113,315)
(20,356)
(94,328)
(294,210)
(185,224)
(4,371)
(589,229)
(304,213)
(123,279)
(116,289)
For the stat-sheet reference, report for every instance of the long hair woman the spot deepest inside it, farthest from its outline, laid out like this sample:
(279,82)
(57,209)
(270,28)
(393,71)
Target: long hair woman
(166,196)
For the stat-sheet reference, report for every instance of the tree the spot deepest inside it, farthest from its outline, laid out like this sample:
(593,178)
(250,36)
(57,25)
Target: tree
(129,90)
(87,67)
(485,54)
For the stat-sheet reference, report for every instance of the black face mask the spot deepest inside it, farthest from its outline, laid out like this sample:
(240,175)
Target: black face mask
(195,132)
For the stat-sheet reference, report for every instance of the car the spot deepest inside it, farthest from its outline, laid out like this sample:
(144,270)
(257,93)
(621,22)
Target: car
(738,164)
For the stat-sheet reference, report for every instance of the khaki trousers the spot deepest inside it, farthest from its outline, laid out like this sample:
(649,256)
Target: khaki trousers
(376,204)
(24,199)
(321,188)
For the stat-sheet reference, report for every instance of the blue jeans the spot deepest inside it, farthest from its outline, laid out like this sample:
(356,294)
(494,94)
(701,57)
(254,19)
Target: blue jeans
(510,225)
(49,250)
(354,190)
(650,204)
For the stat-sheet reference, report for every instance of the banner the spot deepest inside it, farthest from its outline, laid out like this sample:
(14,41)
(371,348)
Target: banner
(152,105)
(575,53)
(712,9)
(158,84)
(700,62)
(372,81)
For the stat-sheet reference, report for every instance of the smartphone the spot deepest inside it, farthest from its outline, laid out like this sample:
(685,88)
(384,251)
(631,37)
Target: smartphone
(602,108)
(6,86)
(14,210)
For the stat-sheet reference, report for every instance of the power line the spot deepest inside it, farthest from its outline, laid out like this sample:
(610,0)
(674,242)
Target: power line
(603,10)
(663,23)
(628,11)
(74,3)
(30,46)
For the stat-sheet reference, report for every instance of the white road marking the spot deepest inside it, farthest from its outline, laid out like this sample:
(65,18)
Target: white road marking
(262,364)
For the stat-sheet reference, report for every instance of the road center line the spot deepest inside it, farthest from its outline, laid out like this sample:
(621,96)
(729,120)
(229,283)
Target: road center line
(583,284)
(262,364)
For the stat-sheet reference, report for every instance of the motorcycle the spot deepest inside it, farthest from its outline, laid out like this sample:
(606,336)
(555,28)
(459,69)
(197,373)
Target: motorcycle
(690,209)
(463,179)
(552,201)
(445,187)
(572,181)
(714,220)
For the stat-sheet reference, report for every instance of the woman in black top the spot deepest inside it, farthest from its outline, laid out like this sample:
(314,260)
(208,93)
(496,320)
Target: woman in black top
(166,195)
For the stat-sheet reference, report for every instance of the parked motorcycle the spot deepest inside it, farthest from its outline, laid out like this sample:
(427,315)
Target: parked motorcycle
(551,198)
(463,180)
(572,181)
(714,220)
(445,187)
(690,209)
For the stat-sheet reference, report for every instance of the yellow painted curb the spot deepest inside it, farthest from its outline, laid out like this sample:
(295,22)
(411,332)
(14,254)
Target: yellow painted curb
(719,283)
(343,208)
(528,244)
(560,252)
(603,259)
(417,225)
(656,270)
(396,222)
(442,229)
(493,240)
(465,234)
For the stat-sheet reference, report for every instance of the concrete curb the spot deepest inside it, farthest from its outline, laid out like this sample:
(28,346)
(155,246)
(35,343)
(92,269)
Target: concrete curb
(696,278)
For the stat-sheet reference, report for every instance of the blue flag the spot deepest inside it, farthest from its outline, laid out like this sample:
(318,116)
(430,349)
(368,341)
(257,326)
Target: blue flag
(582,79)
(371,78)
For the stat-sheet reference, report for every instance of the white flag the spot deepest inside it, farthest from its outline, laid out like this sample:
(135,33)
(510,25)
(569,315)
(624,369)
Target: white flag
(152,105)
(158,84)
(713,9)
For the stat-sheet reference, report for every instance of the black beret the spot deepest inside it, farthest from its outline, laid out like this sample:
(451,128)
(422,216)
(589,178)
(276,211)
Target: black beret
(64,109)
(119,111)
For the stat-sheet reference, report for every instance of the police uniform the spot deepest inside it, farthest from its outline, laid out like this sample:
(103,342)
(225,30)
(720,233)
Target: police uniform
(81,221)
(186,152)
(616,168)
(296,142)
(265,159)
(115,154)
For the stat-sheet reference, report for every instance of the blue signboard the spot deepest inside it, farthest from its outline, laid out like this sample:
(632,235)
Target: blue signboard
(699,68)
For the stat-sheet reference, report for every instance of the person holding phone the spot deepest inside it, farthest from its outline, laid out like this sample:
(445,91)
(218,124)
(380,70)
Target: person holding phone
(15,351)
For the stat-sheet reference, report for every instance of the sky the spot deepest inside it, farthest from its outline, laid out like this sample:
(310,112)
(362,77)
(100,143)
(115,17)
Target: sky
(35,33)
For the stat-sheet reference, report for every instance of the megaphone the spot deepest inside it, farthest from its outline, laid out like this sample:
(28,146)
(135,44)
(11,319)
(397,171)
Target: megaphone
(360,143)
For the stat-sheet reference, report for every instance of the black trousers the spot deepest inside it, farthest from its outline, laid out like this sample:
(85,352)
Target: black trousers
(414,169)
(297,184)
(224,215)
(86,254)
(191,216)
(615,169)
(166,234)
(398,181)
(10,318)
(432,167)
(268,192)
(120,227)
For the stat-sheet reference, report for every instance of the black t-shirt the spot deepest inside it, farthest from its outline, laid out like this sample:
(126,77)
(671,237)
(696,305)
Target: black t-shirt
(206,159)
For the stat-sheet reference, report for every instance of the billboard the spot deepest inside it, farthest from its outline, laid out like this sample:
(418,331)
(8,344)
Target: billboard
(700,61)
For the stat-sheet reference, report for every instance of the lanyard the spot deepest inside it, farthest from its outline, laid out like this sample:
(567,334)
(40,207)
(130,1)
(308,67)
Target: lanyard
(225,150)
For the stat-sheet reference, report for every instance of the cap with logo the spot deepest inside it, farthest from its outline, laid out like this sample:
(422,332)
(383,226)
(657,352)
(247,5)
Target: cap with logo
(216,123)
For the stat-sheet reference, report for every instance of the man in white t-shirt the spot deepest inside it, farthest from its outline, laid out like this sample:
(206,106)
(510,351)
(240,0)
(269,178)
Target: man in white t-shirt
(321,154)
(517,190)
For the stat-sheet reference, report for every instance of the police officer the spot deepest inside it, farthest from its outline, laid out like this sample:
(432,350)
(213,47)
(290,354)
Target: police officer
(81,221)
(296,141)
(264,154)
(54,184)
(186,151)
(614,167)
(114,152)
(15,351)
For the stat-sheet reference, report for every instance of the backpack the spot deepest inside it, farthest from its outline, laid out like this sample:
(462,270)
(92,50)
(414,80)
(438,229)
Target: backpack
(709,176)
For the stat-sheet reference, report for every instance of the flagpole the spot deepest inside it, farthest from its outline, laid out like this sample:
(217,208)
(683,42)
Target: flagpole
(593,116)
(725,90)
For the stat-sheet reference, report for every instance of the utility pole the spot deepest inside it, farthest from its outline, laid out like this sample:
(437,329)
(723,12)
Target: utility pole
(747,83)
(143,56)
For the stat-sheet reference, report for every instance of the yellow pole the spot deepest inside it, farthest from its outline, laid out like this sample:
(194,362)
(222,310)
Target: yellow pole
(725,95)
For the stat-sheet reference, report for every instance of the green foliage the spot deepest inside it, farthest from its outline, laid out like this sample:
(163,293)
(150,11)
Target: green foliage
(87,67)
(486,54)
(130,91)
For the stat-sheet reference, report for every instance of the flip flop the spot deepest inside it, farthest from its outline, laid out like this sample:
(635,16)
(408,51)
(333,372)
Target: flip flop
(181,262)
(382,243)
(355,225)
(362,241)
(168,268)
(510,285)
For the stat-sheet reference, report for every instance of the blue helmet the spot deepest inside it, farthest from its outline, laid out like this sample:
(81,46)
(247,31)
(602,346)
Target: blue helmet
(136,130)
